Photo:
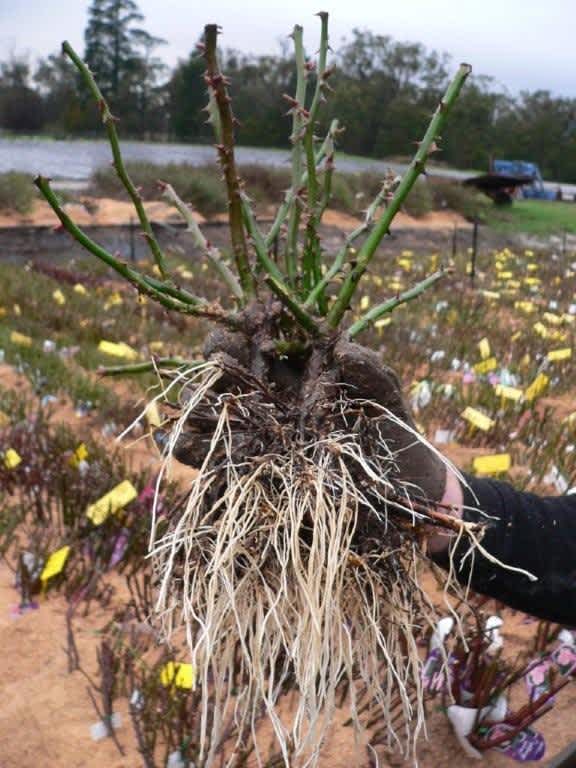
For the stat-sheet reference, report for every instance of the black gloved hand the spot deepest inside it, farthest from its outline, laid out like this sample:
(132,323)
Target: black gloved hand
(367,378)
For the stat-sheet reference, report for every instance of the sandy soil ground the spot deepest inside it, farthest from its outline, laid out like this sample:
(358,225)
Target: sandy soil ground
(109,212)
(46,714)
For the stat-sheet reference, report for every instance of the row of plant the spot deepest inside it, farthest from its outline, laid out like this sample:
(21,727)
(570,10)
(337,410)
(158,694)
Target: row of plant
(202,187)
(58,537)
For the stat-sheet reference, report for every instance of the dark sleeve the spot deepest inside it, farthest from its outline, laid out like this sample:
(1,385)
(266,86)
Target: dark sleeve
(530,532)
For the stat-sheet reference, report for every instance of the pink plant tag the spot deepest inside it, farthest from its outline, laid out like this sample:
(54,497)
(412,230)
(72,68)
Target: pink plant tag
(538,678)
(436,676)
(525,746)
(434,672)
(565,659)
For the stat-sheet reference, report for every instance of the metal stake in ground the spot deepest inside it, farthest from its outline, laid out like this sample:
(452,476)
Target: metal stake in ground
(474,251)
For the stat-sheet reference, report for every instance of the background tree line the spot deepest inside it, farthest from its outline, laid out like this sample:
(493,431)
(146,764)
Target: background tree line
(384,92)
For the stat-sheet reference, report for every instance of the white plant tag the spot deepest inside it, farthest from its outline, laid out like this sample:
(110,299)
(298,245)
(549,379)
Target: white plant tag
(493,624)
(443,436)
(497,711)
(99,730)
(462,720)
(443,629)
(175,760)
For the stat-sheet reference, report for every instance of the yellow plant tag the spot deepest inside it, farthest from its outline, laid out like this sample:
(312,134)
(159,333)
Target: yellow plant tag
(405,264)
(532,281)
(537,387)
(55,563)
(153,415)
(186,274)
(382,323)
(21,339)
(17,310)
(118,350)
(525,306)
(541,330)
(111,502)
(491,295)
(181,675)
(486,365)
(552,319)
(364,303)
(156,346)
(80,454)
(556,355)
(494,464)
(507,275)
(12,458)
(3,312)
(557,335)
(79,288)
(570,419)
(509,393)
(484,347)
(59,297)
(477,419)
(4,420)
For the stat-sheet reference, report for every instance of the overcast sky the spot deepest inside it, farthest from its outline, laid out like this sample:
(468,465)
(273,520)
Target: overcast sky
(524,44)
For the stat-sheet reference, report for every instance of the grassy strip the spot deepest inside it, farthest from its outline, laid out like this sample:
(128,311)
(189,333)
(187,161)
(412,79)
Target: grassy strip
(535,217)
(49,374)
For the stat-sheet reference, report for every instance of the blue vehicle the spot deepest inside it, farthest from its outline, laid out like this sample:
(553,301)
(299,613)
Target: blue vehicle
(532,186)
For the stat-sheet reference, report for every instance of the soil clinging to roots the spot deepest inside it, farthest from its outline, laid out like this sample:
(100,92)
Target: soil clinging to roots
(295,559)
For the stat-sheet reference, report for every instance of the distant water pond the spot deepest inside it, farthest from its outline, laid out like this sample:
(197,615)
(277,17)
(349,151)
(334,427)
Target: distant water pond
(77,159)
(74,160)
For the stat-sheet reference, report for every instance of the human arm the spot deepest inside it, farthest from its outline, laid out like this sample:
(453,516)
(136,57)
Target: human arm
(537,534)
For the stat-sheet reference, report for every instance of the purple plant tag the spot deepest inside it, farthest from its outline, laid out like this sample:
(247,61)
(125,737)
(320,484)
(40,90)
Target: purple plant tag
(435,676)
(120,546)
(21,610)
(538,678)
(146,498)
(468,378)
(565,659)
(525,746)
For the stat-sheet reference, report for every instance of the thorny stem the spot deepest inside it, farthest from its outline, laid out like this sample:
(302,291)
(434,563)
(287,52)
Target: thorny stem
(388,306)
(302,317)
(155,289)
(313,113)
(260,244)
(298,107)
(311,256)
(379,200)
(147,367)
(109,123)
(289,198)
(417,167)
(217,86)
(212,253)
